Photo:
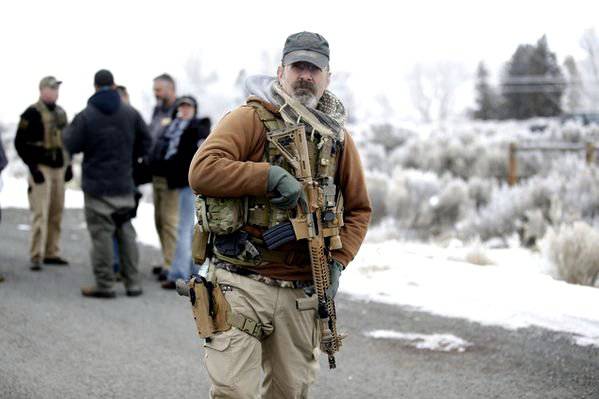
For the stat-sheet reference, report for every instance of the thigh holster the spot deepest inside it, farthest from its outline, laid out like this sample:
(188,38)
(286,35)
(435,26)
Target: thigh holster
(212,312)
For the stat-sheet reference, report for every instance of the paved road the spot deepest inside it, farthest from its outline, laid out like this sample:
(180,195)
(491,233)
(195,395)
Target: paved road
(56,344)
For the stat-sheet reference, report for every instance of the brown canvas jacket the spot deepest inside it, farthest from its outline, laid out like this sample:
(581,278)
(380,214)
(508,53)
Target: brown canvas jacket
(230,164)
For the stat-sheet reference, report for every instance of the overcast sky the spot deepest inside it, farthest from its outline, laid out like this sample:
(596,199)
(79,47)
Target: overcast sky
(377,42)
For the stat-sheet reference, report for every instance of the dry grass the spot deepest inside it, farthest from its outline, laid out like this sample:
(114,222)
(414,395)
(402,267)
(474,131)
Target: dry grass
(574,253)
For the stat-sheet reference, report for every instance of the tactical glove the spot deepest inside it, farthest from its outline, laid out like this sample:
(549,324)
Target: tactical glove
(285,187)
(68,173)
(37,175)
(335,269)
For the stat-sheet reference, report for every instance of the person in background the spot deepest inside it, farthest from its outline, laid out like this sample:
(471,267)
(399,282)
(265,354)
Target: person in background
(122,90)
(166,201)
(165,92)
(124,94)
(170,160)
(39,144)
(111,135)
(3,163)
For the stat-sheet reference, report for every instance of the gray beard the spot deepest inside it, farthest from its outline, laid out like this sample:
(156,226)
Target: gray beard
(306,98)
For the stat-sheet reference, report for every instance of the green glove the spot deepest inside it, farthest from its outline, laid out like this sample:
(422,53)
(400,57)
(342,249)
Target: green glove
(286,188)
(335,269)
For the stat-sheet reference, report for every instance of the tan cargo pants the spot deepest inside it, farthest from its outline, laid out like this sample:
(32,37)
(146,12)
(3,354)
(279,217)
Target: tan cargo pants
(287,356)
(46,202)
(166,217)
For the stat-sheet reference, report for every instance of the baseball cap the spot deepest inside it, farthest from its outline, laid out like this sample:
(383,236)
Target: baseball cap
(308,47)
(50,81)
(187,100)
(103,78)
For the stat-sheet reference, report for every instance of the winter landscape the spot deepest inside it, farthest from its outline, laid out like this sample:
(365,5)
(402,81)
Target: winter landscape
(479,275)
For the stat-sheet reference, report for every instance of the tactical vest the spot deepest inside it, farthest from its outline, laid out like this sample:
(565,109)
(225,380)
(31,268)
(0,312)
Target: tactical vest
(53,122)
(259,213)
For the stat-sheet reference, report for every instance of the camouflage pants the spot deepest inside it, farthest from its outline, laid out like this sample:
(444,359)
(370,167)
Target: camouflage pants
(286,359)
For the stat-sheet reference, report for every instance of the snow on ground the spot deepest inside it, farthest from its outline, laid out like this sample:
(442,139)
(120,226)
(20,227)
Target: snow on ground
(433,342)
(514,292)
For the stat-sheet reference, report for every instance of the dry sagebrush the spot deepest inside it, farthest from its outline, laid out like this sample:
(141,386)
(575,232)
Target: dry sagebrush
(573,252)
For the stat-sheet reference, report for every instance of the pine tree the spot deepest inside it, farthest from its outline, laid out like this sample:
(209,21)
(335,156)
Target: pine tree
(485,96)
(533,83)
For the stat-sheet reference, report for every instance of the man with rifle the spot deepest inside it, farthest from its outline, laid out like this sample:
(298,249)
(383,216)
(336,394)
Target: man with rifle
(282,209)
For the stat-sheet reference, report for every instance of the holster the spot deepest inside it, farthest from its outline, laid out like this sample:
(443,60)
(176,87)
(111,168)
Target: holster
(209,306)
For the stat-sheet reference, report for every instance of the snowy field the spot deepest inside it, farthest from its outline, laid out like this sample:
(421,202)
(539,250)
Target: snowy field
(515,291)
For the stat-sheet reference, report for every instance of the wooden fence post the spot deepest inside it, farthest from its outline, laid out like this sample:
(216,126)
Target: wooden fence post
(512,173)
(590,156)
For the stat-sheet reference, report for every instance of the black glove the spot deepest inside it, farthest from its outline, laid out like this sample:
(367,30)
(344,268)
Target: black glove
(37,175)
(68,173)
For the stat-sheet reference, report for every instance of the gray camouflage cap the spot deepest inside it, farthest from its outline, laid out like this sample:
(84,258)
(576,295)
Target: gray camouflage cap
(50,81)
(308,47)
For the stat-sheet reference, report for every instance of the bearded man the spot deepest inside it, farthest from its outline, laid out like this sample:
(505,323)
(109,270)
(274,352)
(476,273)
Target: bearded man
(278,356)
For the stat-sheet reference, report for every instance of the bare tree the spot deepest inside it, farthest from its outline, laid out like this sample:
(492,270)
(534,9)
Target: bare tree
(590,43)
(196,78)
(573,96)
(421,93)
(590,68)
(206,86)
(433,88)
(341,87)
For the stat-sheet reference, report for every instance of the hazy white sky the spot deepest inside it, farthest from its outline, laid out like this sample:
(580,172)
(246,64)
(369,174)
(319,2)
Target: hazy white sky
(377,42)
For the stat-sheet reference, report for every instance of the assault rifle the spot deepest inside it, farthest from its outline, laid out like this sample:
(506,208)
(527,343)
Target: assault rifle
(307,224)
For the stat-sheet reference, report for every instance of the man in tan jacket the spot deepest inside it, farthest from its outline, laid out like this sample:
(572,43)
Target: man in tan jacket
(237,162)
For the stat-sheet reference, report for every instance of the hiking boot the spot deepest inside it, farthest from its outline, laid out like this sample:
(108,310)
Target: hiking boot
(56,260)
(95,292)
(36,266)
(1,278)
(163,276)
(134,291)
(169,285)
(156,270)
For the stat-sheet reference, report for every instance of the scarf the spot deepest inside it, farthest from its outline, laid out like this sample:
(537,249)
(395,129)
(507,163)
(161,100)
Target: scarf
(327,118)
(173,135)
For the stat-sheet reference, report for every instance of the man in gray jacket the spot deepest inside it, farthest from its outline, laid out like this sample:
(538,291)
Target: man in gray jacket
(111,135)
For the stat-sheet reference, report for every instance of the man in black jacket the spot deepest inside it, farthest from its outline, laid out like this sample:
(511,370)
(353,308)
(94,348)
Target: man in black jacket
(111,135)
(38,143)
(3,163)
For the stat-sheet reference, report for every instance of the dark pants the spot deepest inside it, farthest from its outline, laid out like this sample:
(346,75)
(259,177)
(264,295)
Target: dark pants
(105,222)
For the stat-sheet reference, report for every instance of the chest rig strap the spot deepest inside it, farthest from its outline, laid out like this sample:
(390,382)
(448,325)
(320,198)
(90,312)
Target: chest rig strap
(260,211)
